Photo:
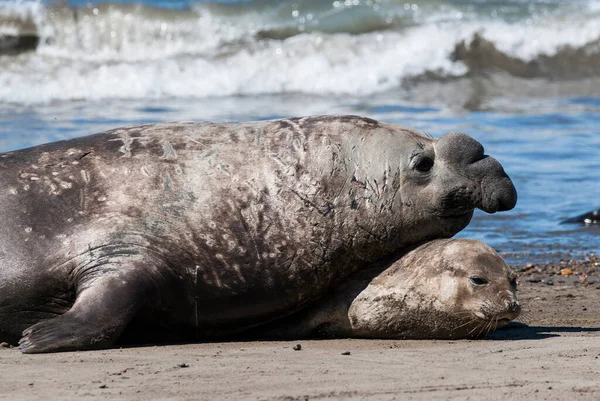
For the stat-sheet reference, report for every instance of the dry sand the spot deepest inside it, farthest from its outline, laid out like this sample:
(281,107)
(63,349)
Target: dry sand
(555,357)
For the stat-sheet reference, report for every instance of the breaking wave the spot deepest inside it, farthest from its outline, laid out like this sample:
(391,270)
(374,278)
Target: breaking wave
(61,51)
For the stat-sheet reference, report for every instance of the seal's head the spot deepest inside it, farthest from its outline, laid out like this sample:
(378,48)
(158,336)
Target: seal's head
(481,288)
(448,288)
(406,187)
(449,178)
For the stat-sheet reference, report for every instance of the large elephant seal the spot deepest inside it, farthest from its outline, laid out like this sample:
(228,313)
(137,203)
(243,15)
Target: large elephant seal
(447,288)
(215,228)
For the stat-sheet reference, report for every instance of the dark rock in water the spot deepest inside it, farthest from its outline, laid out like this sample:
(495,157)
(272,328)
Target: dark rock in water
(23,35)
(11,45)
(589,218)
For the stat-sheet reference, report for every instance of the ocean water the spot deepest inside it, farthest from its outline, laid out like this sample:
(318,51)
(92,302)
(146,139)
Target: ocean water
(521,76)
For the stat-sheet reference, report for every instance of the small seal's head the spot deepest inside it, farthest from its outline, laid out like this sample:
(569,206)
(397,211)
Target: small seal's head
(447,288)
(485,287)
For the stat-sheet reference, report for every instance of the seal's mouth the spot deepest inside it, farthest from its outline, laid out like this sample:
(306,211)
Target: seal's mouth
(456,213)
(460,202)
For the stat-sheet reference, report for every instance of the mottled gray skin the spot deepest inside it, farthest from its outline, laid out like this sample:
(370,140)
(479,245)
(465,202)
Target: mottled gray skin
(443,289)
(204,229)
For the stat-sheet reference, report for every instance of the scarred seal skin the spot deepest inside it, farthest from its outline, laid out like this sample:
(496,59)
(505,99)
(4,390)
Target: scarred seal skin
(202,229)
(443,289)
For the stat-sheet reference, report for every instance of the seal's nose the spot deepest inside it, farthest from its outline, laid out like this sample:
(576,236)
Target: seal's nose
(507,202)
(467,155)
(514,307)
(459,148)
(503,190)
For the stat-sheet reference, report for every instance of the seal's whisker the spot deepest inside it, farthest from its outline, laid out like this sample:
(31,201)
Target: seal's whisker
(524,315)
(475,328)
(482,329)
(467,323)
(494,323)
(492,326)
(463,313)
(523,318)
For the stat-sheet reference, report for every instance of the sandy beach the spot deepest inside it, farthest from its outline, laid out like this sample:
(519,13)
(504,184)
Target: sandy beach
(554,357)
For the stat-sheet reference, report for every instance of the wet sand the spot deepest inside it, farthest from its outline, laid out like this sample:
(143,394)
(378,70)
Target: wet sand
(556,356)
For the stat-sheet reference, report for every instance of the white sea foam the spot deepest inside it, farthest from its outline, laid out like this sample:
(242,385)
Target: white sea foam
(133,52)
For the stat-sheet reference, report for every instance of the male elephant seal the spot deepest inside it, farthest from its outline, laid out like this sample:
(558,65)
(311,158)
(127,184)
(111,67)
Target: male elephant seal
(215,228)
(446,288)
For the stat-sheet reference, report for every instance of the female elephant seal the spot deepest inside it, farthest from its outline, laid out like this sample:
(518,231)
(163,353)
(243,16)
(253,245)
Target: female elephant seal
(447,288)
(216,228)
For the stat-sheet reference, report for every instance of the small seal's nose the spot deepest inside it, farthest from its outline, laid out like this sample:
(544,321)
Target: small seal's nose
(514,307)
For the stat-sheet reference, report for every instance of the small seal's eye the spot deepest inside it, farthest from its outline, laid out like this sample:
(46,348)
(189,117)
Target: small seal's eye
(513,282)
(475,280)
(424,165)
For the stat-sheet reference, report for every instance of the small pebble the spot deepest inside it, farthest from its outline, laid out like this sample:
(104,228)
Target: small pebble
(346,353)
(566,272)
(297,347)
(102,386)
(533,280)
(183,365)
(548,282)
(5,345)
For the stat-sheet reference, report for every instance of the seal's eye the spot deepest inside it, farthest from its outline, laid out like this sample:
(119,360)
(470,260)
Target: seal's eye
(513,282)
(424,165)
(475,280)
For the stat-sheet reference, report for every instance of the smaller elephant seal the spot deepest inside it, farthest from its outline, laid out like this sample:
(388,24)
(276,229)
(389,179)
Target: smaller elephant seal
(442,289)
(589,218)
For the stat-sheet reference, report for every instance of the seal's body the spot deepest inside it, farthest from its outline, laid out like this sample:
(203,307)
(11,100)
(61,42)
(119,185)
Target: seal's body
(218,227)
(443,289)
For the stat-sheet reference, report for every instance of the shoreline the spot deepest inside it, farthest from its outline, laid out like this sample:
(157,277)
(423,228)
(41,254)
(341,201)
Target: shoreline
(576,271)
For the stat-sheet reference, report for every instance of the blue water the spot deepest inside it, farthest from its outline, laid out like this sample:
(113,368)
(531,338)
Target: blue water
(201,61)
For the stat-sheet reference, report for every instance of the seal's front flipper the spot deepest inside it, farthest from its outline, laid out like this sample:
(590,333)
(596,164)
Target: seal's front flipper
(99,315)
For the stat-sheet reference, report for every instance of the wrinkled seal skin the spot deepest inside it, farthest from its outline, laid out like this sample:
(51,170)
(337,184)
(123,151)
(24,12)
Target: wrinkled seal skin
(215,228)
(443,289)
